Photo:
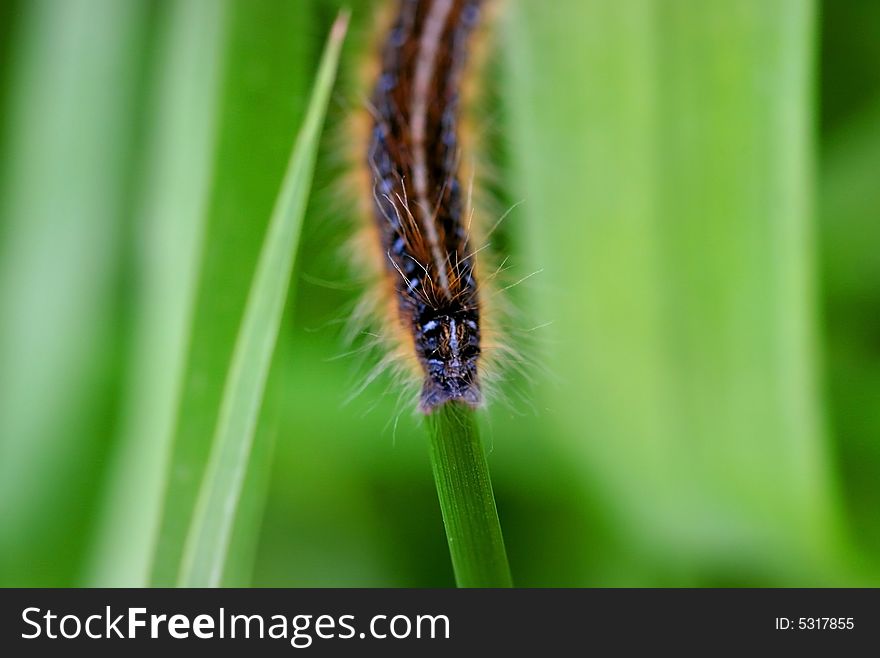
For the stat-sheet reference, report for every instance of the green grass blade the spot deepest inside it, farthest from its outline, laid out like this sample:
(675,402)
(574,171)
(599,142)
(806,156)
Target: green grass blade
(466,499)
(850,198)
(209,536)
(270,59)
(668,198)
(169,228)
(63,206)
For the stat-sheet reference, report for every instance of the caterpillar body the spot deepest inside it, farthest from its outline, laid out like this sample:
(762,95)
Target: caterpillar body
(418,205)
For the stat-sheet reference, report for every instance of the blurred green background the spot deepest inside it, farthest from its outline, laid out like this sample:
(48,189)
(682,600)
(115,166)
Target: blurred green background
(700,403)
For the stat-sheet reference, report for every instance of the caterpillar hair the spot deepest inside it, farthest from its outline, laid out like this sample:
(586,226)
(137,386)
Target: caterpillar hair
(421,229)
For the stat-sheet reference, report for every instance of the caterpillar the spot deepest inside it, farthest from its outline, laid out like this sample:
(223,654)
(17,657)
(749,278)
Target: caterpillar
(418,205)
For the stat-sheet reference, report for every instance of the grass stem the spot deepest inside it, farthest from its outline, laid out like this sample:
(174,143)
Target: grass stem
(466,499)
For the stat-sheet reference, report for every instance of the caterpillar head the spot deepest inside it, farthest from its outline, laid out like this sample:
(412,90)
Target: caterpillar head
(448,347)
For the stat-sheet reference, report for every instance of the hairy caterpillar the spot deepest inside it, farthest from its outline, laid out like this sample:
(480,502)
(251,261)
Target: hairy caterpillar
(417,200)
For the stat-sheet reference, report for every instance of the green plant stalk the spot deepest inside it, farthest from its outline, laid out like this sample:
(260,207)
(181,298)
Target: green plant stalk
(256,119)
(170,223)
(690,354)
(210,533)
(466,499)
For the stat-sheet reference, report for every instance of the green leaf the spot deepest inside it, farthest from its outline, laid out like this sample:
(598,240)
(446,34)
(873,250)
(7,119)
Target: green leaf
(169,231)
(68,132)
(850,234)
(268,68)
(210,532)
(664,152)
